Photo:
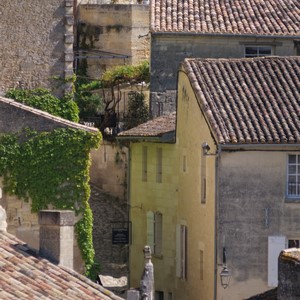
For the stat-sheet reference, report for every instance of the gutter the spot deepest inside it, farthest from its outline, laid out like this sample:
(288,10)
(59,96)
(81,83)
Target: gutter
(218,153)
(257,36)
(258,147)
(165,138)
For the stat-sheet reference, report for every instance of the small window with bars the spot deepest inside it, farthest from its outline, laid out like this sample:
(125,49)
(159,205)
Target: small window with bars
(293,176)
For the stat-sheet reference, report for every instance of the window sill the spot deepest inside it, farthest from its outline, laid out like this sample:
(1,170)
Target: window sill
(292,200)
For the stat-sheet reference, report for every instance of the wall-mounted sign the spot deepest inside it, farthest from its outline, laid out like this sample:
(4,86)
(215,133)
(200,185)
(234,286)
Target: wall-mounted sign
(120,236)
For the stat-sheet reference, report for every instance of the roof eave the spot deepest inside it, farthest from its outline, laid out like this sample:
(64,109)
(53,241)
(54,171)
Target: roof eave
(260,147)
(169,137)
(225,34)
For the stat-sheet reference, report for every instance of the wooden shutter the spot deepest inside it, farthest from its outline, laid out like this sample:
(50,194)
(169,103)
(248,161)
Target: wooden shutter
(158,233)
(275,245)
(178,252)
(181,251)
(150,230)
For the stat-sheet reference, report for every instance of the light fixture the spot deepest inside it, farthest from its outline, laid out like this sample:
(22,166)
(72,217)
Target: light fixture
(225,274)
(205,148)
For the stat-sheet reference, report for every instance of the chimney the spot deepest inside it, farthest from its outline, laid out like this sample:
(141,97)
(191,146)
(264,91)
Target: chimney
(57,235)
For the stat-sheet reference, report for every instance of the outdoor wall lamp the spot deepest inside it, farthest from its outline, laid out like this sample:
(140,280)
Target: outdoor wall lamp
(205,148)
(225,274)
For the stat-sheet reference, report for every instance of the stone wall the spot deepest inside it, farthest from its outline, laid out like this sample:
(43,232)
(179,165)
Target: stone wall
(113,28)
(15,116)
(108,169)
(289,274)
(252,207)
(21,221)
(169,50)
(37,43)
(109,212)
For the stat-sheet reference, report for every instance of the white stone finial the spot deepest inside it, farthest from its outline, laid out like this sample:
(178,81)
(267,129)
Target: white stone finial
(3,224)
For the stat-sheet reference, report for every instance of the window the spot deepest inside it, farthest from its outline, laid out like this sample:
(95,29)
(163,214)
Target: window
(159,295)
(275,245)
(154,232)
(184,164)
(181,251)
(293,243)
(144,163)
(293,176)
(159,165)
(258,51)
(297,47)
(201,264)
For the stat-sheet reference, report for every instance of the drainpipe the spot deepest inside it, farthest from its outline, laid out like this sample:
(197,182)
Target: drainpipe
(216,220)
(128,211)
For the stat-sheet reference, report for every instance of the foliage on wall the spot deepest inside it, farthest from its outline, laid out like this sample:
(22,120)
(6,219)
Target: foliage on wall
(43,99)
(87,95)
(127,74)
(52,168)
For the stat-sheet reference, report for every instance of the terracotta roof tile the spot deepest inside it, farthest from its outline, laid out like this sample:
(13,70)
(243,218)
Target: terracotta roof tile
(253,100)
(267,17)
(153,128)
(24,276)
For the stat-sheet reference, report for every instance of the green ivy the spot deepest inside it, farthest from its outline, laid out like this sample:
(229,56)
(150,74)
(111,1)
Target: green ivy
(127,73)
(52,168)
(43,99)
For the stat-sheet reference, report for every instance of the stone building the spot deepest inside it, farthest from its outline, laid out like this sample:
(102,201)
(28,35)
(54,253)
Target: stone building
(209,28)
(110,34)
(37,44)
(222,191)
(14,117)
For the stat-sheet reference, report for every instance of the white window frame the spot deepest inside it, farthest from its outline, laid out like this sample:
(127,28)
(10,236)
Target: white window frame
(293,177)
(297,240)
(154,232)
(258,50)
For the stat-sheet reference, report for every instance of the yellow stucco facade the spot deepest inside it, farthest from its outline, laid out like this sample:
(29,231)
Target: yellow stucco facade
(185,196)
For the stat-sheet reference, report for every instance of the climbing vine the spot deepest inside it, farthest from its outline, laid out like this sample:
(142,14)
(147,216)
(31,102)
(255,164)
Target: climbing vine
(52,168)
(43,99)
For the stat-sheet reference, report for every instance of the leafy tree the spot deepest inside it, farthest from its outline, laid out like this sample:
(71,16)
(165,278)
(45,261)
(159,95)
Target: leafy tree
(138,111)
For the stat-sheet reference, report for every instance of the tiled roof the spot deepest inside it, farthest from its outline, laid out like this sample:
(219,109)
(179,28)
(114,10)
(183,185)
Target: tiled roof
(249,101)
(153,128)
(254,17)
(23,275)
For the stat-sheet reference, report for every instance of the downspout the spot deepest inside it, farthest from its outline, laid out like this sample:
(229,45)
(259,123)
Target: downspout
(128,211)
(216,220)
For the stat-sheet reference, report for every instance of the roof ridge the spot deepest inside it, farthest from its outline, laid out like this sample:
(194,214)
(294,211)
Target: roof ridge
(46,115)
